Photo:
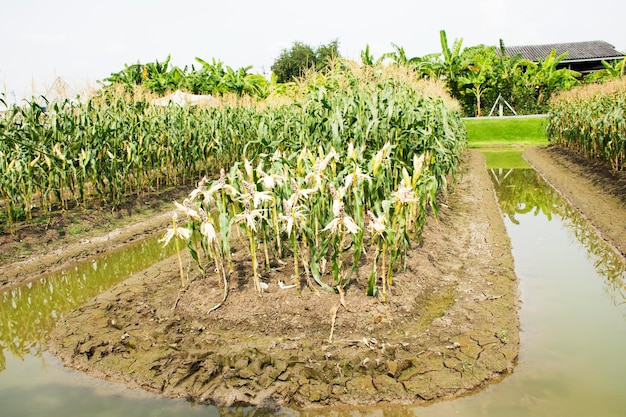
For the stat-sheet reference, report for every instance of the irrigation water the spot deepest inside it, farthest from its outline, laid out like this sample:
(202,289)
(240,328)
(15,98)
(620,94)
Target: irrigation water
(573,312)
(573,320)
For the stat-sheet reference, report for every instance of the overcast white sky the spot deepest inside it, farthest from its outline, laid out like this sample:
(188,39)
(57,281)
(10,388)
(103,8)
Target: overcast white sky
(87,40)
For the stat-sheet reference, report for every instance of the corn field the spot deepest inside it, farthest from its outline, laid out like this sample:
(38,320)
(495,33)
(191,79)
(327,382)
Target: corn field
(591,119)
(352,166)
(109,148)
(351,170)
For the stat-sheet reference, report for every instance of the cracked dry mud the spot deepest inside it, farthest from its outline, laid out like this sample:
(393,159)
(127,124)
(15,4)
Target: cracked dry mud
(449,327)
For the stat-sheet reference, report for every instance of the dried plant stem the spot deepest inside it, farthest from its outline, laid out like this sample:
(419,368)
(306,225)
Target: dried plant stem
(333,312)
(296,272)
(384,278)
(255,267)
(180,260)
(225,283)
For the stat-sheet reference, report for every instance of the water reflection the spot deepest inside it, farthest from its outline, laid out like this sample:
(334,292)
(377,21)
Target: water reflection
(522,191)
(29,312)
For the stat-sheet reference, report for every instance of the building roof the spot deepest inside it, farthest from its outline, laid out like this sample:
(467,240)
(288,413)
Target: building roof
(578,51)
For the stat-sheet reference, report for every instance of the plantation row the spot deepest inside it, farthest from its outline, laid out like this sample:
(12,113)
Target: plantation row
(109,149)
(592,120)
(112,147)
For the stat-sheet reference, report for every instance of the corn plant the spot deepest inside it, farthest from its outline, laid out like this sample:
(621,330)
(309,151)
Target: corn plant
(592,120)
(297,178)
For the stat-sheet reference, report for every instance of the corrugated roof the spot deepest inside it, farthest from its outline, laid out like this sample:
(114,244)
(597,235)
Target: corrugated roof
(578,51)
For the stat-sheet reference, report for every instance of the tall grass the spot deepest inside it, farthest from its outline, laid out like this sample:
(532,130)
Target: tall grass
(591,119)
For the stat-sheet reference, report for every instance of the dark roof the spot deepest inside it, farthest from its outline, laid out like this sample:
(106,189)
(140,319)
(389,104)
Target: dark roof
(578,51)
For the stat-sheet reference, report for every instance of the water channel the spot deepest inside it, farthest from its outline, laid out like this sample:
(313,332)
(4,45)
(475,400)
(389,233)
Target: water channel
(573,320)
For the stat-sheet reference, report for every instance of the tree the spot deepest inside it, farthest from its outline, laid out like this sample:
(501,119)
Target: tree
(208,79)
(293,63)
(546,78)
(451,65)
(507,72)
(325,54)
(478,75)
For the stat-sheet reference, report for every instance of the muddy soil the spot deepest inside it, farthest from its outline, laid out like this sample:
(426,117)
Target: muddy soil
(449,326)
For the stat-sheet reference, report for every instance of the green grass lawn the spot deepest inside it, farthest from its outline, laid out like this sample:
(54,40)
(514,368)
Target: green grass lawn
(506,132)
(504,158)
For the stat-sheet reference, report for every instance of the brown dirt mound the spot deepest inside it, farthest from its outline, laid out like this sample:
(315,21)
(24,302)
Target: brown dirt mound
(449,327)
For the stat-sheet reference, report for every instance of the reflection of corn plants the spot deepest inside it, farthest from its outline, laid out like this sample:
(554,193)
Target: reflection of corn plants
(522,191)
(29,312)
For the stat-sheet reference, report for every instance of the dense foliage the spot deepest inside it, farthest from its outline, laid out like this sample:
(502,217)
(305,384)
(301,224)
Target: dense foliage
(112,146)
(211,78)
(591,119)
(293,63)
(484,79)
(360,149)
(480,76)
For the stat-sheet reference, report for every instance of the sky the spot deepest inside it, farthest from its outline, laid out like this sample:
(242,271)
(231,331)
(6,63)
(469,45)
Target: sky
(84,41)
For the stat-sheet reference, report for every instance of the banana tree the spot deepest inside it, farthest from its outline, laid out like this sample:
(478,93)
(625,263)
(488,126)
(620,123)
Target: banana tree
(367,59)
(611,70)
(478,77)
(451,65)
(547,78)
(398,56)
